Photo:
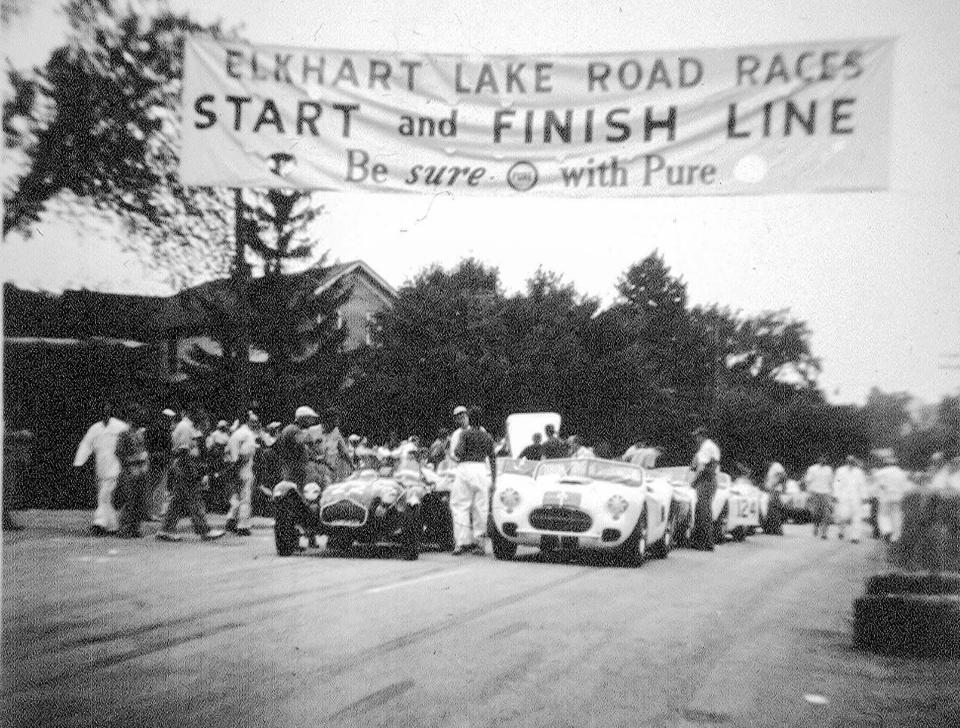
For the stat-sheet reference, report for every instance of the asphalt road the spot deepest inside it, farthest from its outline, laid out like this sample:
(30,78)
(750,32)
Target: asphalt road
(104,632)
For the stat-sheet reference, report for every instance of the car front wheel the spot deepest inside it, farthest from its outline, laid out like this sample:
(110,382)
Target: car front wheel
(503,548)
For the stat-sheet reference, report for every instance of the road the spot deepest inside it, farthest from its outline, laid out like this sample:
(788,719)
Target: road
(104,632)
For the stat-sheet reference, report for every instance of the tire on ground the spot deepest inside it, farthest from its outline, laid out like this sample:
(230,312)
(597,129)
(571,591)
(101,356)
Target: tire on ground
(915,625)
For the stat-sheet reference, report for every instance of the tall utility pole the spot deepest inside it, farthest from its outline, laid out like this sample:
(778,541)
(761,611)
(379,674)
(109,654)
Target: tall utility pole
(240,279)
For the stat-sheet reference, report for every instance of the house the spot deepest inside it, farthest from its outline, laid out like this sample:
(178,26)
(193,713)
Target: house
(170,326)
(188,316)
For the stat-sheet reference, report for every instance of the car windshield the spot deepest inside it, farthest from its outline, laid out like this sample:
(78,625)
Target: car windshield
(608,470)
(674,474)
(516,466)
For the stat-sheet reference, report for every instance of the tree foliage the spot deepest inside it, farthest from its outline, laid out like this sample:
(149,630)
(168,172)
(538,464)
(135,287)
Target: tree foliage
(101,120)
(648,367)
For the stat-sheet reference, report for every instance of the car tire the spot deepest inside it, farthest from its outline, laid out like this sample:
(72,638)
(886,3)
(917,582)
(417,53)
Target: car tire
(634,549)
(739,533)
(661,549)
(286,535)
(503,548)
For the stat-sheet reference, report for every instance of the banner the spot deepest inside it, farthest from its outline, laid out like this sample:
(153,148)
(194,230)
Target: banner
(807,117)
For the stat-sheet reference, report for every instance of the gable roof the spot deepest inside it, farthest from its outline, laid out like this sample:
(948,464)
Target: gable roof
(85,313)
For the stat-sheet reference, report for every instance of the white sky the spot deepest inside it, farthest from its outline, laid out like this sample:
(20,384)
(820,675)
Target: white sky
(874,274)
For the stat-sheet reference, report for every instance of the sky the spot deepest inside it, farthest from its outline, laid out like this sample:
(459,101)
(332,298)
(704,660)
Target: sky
(874,274)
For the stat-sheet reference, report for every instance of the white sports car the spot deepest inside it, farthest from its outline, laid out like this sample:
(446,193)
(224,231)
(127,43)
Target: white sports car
(735,509)
(580,504)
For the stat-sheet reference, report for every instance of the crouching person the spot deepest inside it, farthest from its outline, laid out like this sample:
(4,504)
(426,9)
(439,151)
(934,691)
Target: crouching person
(470,495)
(294,510)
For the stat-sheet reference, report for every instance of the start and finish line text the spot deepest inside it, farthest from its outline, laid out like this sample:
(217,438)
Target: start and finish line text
(808,117)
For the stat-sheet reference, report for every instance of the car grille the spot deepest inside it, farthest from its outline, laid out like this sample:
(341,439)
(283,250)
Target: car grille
(343,510)
(560,519)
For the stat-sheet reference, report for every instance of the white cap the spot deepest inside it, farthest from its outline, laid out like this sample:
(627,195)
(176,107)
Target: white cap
(459,410)
(304,411)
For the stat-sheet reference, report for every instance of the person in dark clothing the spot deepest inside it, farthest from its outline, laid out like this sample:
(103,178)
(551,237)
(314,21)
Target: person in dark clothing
(293,447)
(157,441)
(554,447)
(470,495)
(533,451)
(185,473)
(134,480)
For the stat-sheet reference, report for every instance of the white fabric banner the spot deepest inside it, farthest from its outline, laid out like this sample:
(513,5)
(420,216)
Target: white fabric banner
(809,117)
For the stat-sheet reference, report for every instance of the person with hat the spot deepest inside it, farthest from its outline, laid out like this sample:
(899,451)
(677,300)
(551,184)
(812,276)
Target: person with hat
(819,485)
(705,464)
(470,495)
(240,452)
(850,490)
(462,418)
(293,446)
(157,440)
(185,496)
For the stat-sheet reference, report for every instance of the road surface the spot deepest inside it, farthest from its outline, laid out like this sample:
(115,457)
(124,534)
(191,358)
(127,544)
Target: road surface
(104,632)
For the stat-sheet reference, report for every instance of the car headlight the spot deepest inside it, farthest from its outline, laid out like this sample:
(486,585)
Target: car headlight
(311,491)
(617,505)
(510,498)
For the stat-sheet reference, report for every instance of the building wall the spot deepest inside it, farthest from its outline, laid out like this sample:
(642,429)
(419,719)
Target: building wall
(365,300)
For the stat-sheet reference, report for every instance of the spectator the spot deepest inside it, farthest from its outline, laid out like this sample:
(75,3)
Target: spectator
(819,484)
(100,441)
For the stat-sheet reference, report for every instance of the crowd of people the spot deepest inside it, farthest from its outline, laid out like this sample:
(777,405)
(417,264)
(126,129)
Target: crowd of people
(178,464)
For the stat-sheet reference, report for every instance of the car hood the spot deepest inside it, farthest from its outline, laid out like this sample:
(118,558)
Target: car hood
(362,490)
(586,494)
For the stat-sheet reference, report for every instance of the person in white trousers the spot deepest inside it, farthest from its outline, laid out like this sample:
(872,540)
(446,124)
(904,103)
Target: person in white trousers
(100,441)
(241,448)
(850,490)
(470,495)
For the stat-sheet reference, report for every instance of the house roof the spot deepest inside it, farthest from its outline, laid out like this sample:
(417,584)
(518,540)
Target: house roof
(84,313)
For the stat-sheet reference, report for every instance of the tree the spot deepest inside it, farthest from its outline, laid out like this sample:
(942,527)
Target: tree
(441,344)
(101,120)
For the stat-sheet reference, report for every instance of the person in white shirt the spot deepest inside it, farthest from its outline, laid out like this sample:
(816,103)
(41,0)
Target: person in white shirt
(241,448)
(705,464)
(891,483)
(819,484)
(100,441)
(850,490)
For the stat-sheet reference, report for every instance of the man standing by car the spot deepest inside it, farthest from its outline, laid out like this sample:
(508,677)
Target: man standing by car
(470,496)
(293,447)
(462,418)
(553,447)
(705,465)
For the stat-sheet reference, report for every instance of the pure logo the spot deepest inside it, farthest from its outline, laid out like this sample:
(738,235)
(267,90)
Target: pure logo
(522,176)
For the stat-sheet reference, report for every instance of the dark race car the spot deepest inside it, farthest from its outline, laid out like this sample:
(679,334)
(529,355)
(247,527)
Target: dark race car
(405,506)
